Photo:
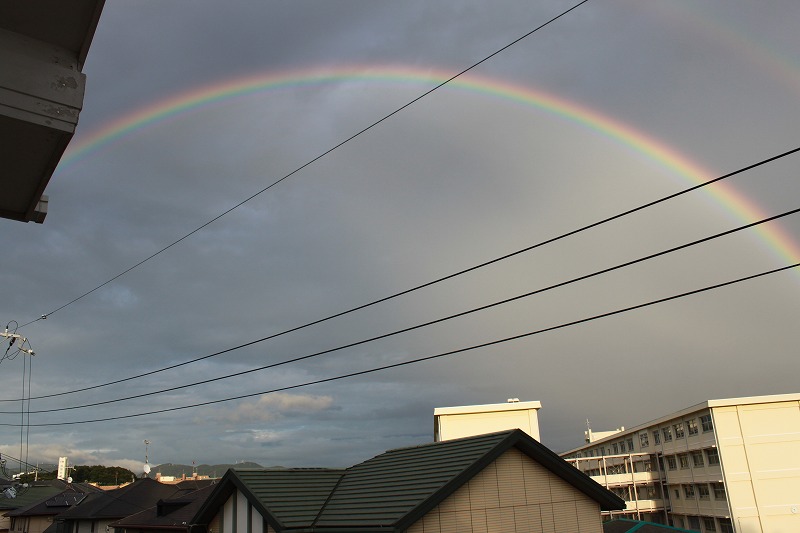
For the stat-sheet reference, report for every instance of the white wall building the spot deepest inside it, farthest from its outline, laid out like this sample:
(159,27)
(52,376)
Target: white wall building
(719,466)
(468,420)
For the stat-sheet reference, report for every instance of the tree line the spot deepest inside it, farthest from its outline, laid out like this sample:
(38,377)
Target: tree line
(102,475)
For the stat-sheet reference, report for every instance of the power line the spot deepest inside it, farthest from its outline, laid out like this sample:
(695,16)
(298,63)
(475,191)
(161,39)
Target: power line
(432,322)
(5,458)
(437,321)
(430,357)
(315,159)
(433,282)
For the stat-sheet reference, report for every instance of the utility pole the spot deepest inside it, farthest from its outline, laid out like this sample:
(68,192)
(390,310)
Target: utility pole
(21,341)
(13,338)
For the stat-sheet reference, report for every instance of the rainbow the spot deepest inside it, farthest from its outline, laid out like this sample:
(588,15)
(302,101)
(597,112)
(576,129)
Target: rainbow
(774,237)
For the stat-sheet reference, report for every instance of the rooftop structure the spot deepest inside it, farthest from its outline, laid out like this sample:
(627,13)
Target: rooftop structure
(465,421)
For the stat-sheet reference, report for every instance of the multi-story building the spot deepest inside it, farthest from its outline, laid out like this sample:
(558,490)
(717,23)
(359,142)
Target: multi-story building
(724,466)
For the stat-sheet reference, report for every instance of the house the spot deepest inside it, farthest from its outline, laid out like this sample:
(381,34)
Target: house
(172,514)
(38,516)
(25,496)
(98,510)
(505,480)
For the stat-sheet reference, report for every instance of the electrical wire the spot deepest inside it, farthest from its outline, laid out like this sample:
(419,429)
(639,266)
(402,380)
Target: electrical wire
(317,158)
(430,357)
(4,460)
(432,322)
(22,411)
(28,418)
(430,283)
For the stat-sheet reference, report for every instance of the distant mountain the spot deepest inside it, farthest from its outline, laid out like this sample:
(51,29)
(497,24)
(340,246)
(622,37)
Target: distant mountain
(214,471)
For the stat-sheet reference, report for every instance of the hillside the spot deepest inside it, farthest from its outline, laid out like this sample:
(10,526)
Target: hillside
(214,471)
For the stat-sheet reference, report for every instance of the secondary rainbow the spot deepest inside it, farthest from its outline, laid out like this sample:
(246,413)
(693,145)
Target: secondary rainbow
(742,207)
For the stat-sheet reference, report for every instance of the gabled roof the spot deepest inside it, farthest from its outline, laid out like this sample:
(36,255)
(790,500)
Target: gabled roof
(170,513)
(56,503)
(286,497)
(122,502)
(389,491)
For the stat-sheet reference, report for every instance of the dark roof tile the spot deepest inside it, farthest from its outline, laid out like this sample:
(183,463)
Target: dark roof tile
(122,502)
(391,490)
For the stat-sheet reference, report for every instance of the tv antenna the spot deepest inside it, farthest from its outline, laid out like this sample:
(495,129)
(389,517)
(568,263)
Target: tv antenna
(146,460)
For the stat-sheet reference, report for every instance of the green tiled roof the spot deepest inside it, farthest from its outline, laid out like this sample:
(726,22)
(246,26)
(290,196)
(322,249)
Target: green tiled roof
(388,492)
(384,489)
(292,497)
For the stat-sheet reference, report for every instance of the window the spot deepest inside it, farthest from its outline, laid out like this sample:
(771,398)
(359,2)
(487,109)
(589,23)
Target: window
(713,456)
(709,524)
(697,459)
(688,490)
(677,494)
(691,425)
(703,492)
(725,525)
(719,491)
(694,523)
(649,492)
(644,441)
(684,460)
(630,444)
(706,422)
(656,437)
(616,447)
(671,462)
(615,469)
(622,492)
(678,430)
(667,434)
(622,446)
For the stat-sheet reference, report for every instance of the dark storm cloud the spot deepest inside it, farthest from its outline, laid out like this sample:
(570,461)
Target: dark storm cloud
(453,181)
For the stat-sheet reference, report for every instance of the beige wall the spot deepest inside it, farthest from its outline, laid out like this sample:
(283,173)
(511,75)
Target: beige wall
(32,524)
(759,446)
(513,494)
(468,421)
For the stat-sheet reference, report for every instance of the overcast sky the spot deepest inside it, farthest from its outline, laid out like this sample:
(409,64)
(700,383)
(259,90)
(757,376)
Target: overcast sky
(459,178)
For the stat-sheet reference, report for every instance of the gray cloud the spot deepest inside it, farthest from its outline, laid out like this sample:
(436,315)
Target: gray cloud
(459,178)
